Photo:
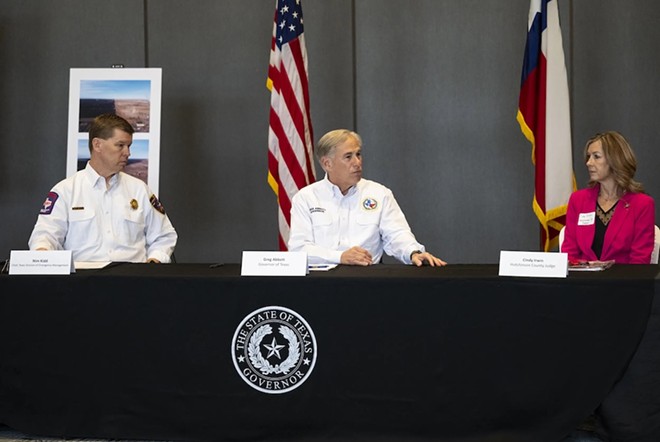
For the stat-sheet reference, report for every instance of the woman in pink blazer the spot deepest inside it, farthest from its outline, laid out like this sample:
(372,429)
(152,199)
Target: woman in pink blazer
(613,218)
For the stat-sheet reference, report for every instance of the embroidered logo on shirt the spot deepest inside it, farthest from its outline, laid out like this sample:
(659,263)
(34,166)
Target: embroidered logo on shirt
(49,204)
(157,205)
(316,209)
(369,204)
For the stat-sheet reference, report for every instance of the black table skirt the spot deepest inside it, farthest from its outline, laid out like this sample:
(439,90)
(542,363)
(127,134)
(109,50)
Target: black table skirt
(137,351)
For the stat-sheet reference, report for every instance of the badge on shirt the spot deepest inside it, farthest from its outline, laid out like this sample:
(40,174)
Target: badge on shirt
(134,204)
(369,203)
(157,205)
(587,219)
(49,204)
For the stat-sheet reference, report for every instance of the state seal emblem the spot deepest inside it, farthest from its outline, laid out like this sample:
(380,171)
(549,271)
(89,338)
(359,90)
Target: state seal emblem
(274,350)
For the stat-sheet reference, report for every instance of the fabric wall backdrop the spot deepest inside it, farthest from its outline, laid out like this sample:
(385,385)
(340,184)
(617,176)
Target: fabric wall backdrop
(431,87)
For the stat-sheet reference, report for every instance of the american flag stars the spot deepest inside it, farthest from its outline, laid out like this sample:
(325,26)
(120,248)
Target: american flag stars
(290,21)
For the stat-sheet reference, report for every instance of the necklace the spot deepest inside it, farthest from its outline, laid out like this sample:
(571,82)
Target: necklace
(610,198)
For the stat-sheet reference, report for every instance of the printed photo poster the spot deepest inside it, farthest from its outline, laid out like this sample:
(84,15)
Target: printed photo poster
(134,94)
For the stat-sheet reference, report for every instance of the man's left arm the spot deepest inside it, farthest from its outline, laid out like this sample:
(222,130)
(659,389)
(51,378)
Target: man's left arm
(398,239)
(160,234)
(418,258)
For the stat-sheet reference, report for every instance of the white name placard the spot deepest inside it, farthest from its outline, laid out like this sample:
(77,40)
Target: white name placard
(274,264)
(41,262)
(534,264)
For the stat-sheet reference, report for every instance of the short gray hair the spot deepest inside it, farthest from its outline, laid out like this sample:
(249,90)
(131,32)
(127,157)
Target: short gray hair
(329,142)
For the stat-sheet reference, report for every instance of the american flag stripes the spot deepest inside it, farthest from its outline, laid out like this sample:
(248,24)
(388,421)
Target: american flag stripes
(544,118)
(290,136)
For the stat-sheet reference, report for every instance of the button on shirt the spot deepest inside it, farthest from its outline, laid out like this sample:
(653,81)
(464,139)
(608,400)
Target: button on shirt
(101,223)
(325,223)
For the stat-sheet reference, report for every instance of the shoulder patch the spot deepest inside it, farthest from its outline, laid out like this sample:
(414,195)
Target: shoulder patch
(157,205)
(49,203)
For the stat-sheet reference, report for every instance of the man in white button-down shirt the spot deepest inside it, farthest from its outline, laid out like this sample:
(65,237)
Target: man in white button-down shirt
(345,219)
(101,213)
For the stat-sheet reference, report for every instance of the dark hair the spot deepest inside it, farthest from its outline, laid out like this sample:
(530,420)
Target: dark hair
(104,125)
(621,159)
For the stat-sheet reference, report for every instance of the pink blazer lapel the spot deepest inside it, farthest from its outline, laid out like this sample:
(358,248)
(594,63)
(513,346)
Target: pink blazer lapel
(618,220)
(587,232)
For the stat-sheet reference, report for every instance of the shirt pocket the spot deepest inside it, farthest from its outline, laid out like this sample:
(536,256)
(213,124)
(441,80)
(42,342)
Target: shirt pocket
(133,226)
(321,219)
(82,228)
(81,215)
(368,218)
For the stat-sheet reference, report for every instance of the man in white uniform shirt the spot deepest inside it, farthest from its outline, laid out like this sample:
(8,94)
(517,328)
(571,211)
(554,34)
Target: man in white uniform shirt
(344,219)
(101,213)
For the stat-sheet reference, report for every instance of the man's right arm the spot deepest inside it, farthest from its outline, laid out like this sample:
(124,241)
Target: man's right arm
(301,235)
(50,229)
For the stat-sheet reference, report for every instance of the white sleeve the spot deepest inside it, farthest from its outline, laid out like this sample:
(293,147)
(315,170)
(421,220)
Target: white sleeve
(50,230)
(398,239)
(160,235)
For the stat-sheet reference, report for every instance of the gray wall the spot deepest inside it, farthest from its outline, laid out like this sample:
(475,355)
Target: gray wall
(431,85)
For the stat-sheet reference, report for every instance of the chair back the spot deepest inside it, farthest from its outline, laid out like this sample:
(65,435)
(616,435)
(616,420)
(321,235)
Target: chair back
(561,237)
(656,246)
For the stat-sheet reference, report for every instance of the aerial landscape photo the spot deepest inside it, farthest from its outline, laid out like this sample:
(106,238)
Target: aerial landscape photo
(129,99)
(138,162)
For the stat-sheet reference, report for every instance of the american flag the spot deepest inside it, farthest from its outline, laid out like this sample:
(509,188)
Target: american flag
(544,118)
(290,136)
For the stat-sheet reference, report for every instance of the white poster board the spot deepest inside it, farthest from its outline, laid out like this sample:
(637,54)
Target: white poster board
(134,94)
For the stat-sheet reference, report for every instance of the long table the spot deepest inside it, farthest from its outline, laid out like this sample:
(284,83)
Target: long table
(388,352)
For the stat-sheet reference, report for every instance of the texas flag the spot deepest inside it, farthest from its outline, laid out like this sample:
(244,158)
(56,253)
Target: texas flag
(544,118)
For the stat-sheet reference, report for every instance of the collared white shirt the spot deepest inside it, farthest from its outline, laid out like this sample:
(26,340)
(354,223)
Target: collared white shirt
(325,223)
(122,222)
